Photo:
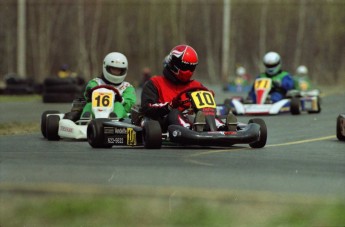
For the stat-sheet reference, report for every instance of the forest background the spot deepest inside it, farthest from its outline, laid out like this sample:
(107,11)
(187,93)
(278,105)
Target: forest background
(225,33)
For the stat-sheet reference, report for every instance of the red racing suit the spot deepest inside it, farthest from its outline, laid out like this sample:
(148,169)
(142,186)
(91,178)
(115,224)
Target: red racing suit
(158,92)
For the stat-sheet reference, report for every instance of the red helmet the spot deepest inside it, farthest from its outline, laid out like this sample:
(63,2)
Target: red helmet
(182,61)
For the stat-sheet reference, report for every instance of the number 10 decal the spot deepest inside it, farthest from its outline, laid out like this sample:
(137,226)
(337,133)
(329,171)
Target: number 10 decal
(203,99)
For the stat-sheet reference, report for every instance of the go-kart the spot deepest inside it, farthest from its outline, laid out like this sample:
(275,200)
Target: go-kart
(341,127)
(295,101)
(56,125)
(141,131)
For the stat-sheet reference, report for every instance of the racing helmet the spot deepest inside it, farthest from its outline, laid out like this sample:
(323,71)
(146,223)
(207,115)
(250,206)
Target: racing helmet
(182,61)
(302,70)
(272,63)
(240,71)
(115,67)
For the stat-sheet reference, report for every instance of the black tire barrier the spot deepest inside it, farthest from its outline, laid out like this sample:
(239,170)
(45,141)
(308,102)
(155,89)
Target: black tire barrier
(59,97)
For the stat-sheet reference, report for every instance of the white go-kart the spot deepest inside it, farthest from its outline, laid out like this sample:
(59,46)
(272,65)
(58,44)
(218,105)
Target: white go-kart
(295,101)
(56,125)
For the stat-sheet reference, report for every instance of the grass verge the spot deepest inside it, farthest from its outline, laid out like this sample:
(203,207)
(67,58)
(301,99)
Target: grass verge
(15,128)
(66,205)
(19,98)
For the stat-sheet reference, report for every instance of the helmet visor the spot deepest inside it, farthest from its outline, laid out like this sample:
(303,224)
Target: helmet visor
(272,65)
(185,66)
(116,71)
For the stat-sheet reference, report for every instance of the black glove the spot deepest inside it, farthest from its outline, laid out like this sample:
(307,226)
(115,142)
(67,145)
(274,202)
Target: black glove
(118,98)
(276,84)
(175,103)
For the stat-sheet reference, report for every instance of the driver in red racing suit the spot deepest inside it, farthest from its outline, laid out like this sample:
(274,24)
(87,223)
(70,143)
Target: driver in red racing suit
(157,98)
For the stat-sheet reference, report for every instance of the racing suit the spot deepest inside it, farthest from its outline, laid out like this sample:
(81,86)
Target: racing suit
(121,109)
(282,82)
(158,93)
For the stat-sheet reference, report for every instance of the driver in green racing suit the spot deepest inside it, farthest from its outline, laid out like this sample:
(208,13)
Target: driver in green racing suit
(115,67)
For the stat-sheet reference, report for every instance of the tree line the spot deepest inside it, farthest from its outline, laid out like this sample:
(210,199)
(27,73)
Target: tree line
(81,32)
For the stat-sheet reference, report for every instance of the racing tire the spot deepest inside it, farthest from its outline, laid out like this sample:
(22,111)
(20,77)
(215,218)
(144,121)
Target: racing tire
(95,133)
(44,121)
(263,133)
(53,127)
(295,106)
(59,97)
(68,88)
(53,81)
(152,134)
(340,135)
(318,107)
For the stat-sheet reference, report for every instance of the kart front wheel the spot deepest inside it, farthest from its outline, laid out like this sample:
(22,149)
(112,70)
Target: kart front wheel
(95,134)
(152,134)
(52,127)
(341,128)
(44,121)
(295,106)
(263,133)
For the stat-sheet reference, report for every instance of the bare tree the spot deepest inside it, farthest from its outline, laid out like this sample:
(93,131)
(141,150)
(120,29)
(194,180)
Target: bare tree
(300,32)
(83,60)
(211,67)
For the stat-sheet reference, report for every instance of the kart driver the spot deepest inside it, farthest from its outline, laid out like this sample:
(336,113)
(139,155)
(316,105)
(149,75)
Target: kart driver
(282,81)
(115,66)
(301,78)
(157,98)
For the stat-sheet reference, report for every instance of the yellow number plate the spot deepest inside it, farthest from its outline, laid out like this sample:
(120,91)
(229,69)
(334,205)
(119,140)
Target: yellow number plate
(262,83)
(102,99)
(131,137)
(203,99)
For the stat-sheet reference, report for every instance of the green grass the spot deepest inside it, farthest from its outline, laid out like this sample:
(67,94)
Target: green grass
(19,98)
(14,128)
(96,206)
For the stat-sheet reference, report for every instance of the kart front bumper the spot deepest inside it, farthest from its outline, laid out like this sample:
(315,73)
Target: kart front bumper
(182,135)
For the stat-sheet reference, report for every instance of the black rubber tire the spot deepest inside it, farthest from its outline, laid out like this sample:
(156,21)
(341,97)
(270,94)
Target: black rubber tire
(295,106)
(340,136)
(44,121)
(68,88)
(59,97)
(152,134)
(18,89)
(95,133)
(263,133)
(318,106)
(52,81)
(52,127)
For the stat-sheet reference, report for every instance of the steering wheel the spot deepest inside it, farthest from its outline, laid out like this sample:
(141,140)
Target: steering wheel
(178,97)
(118,96)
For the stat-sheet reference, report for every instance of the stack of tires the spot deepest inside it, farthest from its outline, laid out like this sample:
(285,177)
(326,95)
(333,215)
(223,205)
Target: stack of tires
(57,90)
(15,85)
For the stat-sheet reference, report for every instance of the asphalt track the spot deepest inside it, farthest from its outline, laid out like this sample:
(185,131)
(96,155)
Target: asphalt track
(302,156)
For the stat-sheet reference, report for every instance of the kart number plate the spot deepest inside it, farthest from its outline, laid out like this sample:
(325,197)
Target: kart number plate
(102,99)
(131,137)
(203,99)
(262,83)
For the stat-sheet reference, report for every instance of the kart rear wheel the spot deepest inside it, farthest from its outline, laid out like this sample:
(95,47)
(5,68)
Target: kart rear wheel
(340,128)
(44,121)
(53,127)
(263,133)
(295,106)
(95,133)
(152,134)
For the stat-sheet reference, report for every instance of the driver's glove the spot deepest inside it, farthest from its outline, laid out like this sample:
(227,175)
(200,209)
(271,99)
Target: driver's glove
(276,84)
(118,98)
(175,103)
